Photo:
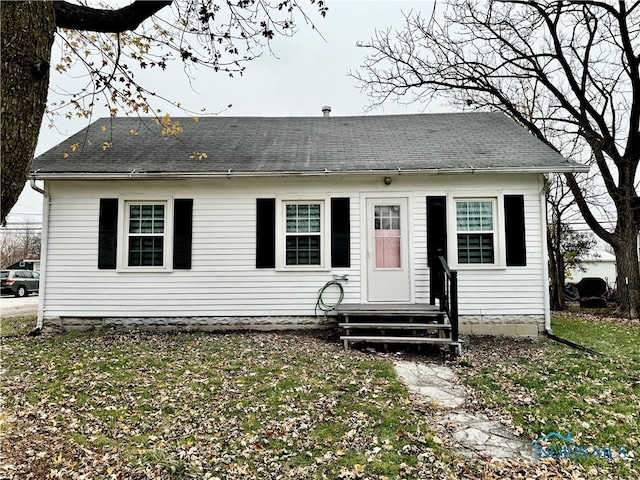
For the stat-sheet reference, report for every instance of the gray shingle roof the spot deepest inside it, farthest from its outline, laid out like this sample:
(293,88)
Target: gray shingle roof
(452,141)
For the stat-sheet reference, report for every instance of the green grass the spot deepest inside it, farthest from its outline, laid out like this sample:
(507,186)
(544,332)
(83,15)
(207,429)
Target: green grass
(612,339)
(550,387)
(256,405)
(15,326)
(281,405)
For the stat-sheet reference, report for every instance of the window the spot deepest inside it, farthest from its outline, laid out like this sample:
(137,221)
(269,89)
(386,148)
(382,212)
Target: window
(303,233)
(387,236)
(475,231)
(146,235)
(299,236)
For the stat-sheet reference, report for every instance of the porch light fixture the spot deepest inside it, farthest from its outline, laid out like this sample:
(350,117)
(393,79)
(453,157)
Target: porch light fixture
(387,180)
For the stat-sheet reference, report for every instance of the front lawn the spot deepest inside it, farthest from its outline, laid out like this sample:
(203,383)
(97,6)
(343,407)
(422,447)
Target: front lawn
(20,325)
(135,405)
(143,405)
(617,338)
(549,387)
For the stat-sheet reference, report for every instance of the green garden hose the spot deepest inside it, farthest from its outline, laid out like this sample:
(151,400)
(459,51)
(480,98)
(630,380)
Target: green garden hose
(322,305)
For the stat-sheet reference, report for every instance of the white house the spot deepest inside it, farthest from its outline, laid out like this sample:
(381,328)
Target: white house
(239,222)
(597,263)
(32,263)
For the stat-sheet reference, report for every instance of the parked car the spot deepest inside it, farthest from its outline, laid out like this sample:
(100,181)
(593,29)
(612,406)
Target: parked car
(20,282)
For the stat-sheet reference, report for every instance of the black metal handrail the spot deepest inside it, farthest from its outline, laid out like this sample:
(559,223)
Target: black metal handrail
(448,293)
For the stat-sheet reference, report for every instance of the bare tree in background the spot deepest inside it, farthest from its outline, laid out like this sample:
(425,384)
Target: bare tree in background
(220,34)
(19,242)
(565,69)
(567,247)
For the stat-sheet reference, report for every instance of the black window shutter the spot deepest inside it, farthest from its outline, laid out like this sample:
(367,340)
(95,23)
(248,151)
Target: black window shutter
(182,233)
(436,228)
(514,230)
(108,233)
(266,233)
(340,233)
(436,243)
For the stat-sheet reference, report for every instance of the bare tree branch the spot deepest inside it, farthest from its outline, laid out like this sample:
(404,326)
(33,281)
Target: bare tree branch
(562,69)
(81,17)
(222,35)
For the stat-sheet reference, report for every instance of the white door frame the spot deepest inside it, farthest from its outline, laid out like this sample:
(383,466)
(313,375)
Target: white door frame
(402,278)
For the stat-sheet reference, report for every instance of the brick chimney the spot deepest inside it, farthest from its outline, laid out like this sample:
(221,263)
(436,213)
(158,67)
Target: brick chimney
(326,110)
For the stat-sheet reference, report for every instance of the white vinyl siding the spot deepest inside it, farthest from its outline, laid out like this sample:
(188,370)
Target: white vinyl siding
(223,280)
(511,291)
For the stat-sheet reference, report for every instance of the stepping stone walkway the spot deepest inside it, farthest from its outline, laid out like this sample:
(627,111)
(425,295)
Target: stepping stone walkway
(472,434)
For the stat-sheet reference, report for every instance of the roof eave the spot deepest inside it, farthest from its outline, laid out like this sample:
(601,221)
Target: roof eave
(571,168)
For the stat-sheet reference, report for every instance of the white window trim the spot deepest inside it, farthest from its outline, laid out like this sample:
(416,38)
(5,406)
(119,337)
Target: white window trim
(122,264)
(325,232)
(499,259)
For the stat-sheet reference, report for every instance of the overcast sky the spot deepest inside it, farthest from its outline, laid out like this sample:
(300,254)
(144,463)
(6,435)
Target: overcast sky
(310,71)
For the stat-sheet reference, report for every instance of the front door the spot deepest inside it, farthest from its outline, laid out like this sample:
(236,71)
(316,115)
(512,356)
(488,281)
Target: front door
(388,273)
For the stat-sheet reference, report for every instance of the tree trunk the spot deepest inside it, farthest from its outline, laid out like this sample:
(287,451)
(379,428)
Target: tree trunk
(27,36)
(556,260)
(556,271)
(624,239)
(628,277)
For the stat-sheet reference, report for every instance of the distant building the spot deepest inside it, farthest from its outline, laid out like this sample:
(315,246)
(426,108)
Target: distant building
(26,264)
(597,263)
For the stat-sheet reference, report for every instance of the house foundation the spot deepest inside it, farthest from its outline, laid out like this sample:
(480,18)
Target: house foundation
(523,326)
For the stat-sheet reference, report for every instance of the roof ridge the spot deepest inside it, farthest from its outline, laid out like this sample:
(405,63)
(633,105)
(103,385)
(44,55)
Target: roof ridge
(318,117)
